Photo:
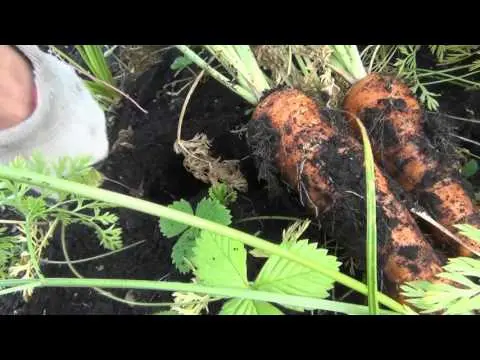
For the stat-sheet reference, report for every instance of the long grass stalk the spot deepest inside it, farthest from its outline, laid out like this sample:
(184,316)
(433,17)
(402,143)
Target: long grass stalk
(125,201)
(282,299)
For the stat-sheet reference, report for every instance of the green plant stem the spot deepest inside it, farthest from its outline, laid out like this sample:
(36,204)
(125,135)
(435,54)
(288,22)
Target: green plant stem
(387,59)
(449,78)
(101,256)
(291,300)
(427,72)
(125,201)
(15,289)
(302,65)
(100,291)
(346,61)
(31,247)
(274,217)
(246,95)
(244,64)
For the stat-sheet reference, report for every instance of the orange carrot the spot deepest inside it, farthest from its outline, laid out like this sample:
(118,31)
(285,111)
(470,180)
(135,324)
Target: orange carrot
(289,133)
(395,119)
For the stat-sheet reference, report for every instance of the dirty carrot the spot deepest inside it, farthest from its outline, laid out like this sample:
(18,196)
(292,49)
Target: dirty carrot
(395,120)
(290,133)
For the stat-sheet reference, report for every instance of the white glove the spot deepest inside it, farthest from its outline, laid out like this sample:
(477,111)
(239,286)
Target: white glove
(67,120)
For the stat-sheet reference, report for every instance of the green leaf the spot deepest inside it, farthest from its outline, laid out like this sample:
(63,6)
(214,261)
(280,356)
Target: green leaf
(280,275)
(171,228)
(220,261)
(446,298)
(214,211)
(223,194)
(110,238)
(249,307)
(470,168)
(469,231)
(183,249)
(32,206)
(464,306)
(8,247)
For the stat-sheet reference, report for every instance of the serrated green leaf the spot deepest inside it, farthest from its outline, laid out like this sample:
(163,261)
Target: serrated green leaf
(183,249)
(295,231)
(110,238)
(8,244)
(446,298)
(213,210)
(460,279)
(464,265)
(281,275)
(469,231)
(220,261)
(249,307)
(171,228)
(465,306)
(223,193)
(32,206)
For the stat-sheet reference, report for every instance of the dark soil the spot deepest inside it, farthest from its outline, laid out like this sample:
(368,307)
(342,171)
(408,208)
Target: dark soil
(151,170)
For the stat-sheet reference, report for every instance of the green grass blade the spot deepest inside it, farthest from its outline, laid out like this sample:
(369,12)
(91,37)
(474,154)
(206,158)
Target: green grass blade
(98,69)
(282,299)
(372,282)
(92,55)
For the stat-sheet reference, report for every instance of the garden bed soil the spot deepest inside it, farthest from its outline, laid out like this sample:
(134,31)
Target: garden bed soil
(147,164)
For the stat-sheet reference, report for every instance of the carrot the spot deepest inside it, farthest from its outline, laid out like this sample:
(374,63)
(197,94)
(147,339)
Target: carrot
(290,134)
(395,118)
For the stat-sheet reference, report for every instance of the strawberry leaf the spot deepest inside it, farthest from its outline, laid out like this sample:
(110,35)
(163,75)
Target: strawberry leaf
(171,228)
(220,261)
(249,307)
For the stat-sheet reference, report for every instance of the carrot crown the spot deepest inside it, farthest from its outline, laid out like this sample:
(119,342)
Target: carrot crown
(346,61)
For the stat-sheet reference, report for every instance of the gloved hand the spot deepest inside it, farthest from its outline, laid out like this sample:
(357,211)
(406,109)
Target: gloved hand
(66,119)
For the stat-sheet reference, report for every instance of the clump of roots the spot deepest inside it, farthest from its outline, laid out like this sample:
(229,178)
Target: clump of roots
(203,166)
(303,67)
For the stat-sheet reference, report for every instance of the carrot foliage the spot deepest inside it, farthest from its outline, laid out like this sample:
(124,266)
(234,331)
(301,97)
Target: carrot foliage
(462,297)
(454,64)
(38,213)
